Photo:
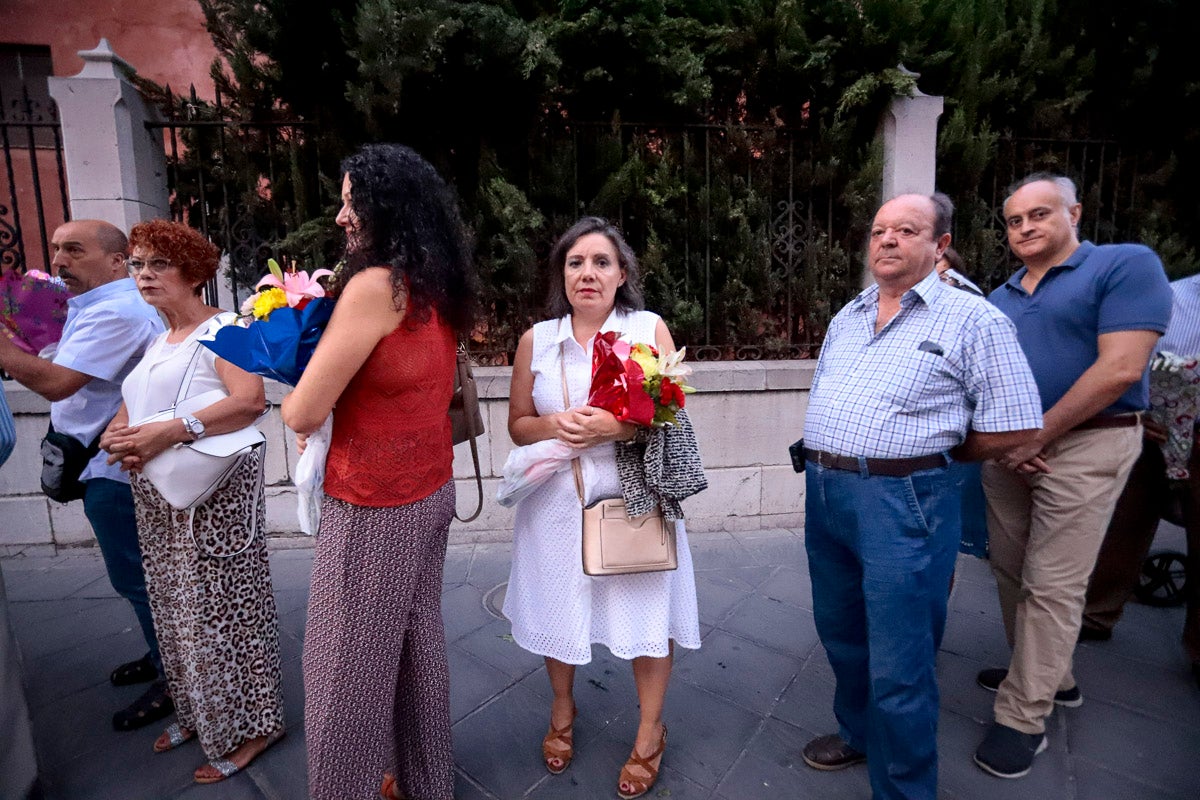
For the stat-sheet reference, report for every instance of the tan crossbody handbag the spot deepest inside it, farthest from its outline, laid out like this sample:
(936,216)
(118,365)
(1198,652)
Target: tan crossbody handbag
(614,543)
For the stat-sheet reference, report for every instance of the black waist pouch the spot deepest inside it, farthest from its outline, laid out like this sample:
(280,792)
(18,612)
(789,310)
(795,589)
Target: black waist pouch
(63,461)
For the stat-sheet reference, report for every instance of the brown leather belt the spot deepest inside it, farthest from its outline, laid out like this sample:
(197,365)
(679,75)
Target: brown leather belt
(888,467)
(1111,421)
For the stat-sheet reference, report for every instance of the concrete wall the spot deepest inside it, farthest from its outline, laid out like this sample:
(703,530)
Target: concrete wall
(745,413)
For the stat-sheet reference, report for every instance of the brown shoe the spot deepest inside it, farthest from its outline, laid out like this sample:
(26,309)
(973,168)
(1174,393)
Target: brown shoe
(831,753)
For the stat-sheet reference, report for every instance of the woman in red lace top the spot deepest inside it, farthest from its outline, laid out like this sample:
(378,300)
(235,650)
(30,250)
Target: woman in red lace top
(377,699)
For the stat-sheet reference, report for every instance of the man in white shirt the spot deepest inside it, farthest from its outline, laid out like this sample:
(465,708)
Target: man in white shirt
(107,329)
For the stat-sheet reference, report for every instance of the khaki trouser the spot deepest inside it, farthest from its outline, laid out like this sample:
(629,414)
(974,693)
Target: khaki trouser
(1045,531)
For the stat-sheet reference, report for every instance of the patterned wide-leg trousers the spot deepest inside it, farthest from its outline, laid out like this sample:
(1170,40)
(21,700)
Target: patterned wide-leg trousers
(377,695)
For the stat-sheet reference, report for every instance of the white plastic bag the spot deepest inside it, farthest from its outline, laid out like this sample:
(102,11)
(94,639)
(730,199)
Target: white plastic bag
(310,478)
(530,466)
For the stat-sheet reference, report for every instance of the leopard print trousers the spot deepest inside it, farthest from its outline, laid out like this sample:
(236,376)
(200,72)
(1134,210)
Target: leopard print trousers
(215,616)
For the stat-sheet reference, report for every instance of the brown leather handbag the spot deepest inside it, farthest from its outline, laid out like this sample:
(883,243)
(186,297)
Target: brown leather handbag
(613,542)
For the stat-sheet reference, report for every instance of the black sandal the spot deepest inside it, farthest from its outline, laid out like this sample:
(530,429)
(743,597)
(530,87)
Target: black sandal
(138,671)
(152,706)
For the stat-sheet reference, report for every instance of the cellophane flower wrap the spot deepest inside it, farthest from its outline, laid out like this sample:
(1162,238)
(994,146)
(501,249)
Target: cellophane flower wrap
(276,334)
(279,326)
(33,308)
(635,383)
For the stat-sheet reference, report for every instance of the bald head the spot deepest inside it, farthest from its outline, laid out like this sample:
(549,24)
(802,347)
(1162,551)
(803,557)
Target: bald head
(88,253)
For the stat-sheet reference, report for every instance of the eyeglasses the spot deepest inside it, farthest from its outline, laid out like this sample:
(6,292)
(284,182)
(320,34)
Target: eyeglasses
(155,265)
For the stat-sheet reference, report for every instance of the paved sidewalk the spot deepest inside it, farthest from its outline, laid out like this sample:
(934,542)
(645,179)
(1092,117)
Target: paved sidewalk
(739,709)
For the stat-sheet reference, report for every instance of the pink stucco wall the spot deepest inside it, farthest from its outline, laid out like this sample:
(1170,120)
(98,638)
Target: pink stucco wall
(164,40)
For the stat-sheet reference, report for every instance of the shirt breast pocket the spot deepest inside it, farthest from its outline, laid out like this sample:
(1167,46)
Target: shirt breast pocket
(922,381)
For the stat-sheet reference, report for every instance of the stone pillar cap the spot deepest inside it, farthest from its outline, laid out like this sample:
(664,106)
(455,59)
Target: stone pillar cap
(101,62)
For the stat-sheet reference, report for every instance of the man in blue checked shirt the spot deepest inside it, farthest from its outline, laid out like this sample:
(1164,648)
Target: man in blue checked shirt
(912,373)
(1088,318)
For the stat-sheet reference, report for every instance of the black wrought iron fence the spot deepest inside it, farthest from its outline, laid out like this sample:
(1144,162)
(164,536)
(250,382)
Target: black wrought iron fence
(33,186)
(247,185)
(1115,184)
(746,242)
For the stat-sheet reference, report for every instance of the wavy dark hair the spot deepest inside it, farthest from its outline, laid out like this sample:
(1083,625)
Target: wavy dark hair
(629,294)
(408,220)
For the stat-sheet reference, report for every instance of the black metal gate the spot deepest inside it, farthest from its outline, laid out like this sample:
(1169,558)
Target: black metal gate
(33,186)
(249,186)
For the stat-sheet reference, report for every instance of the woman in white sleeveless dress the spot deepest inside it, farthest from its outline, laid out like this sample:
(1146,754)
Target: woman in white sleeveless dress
(556,610)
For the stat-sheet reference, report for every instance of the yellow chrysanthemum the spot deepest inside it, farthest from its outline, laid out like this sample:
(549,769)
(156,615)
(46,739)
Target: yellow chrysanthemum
(269,300)
(645,359)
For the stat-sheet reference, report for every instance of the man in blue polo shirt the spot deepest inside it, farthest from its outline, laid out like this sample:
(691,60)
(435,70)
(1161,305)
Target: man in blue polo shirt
(1088,318)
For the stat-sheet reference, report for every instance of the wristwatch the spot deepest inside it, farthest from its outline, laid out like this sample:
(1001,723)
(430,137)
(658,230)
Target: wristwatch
(194,427)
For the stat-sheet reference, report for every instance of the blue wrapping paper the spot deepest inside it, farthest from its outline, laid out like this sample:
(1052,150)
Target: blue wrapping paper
(278,347)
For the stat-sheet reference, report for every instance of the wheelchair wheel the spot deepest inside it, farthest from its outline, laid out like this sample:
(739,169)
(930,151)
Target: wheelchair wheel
(1163,578)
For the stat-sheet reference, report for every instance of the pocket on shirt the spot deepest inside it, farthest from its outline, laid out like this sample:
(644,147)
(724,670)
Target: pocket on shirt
(923,380)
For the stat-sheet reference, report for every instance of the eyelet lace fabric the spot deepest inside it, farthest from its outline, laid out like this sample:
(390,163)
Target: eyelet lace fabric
(555,609)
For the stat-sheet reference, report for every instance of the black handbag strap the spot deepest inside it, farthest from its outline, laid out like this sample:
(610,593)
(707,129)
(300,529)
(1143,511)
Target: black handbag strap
(463,357)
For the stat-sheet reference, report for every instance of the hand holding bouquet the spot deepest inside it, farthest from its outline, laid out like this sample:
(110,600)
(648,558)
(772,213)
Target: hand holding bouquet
(33,309)
(637,384)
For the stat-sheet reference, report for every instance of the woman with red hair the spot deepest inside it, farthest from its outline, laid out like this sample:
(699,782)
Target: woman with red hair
(206,567)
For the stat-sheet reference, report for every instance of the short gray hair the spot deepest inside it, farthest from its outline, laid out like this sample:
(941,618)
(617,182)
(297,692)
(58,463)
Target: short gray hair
(943,214)
(1066,186)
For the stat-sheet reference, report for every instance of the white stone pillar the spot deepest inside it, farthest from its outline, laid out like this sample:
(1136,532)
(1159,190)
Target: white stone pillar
(909,132)
(116,169)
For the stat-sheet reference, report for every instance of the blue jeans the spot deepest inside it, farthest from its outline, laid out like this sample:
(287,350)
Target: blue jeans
(108,505)
(880,553)
(974,540)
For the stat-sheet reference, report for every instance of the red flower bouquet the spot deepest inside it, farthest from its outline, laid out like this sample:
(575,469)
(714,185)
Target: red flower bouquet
(635,383)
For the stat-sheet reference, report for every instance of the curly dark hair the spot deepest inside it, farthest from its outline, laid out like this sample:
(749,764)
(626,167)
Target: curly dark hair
(407,220)
(629,294)
(196,258)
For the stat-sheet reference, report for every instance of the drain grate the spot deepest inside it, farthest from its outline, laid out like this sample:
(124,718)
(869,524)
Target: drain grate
(493,600)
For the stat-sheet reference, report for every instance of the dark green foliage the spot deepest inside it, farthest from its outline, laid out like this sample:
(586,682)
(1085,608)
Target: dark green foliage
(731,139)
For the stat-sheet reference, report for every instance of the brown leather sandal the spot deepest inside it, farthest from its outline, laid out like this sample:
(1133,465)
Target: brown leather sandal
(558,759)
(639,786)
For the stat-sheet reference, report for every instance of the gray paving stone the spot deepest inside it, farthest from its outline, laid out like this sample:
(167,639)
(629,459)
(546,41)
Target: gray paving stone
(773,768)
(282,771)
(769,622)
(489,565)
(717,595)
(1167,693)
(499,746)
(1140,634)
(772,549)
(1096,782)
(977,637)
(790,585)
(466,789)
(807,703)
(1135,744)
(108,618)
(463,611)
(472,682)
(457,564)
(597,767)
(54,677)
(493,644)
(46,579)
(958,689)
(604,690)
(749,674)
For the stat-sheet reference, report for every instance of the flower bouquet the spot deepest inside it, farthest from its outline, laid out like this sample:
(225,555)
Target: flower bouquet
(279,325)
(635,383)
(33,309)
(631,381)
(276,334)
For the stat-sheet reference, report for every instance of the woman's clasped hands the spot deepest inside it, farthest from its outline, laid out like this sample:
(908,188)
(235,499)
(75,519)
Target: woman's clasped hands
(585,426)
(134,445)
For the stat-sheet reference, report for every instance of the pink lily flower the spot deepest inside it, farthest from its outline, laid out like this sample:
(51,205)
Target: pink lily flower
(299,286)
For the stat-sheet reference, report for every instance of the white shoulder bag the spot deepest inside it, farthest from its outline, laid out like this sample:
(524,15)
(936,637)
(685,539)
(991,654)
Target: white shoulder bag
(188,474)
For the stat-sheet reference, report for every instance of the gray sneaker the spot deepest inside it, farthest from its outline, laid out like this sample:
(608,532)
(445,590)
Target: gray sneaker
(991,679)
(1007,753)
